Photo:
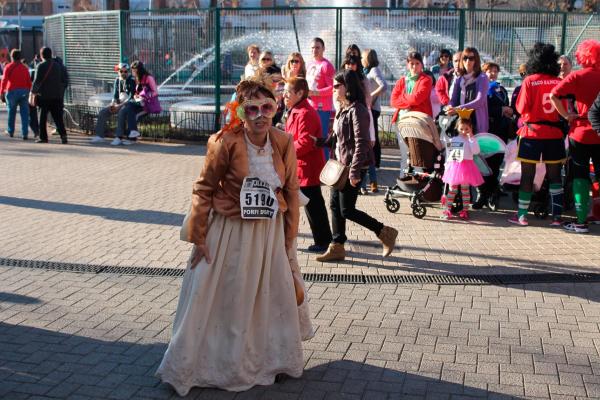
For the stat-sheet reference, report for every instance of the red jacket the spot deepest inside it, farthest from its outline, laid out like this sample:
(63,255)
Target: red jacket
(303,124)
(418,100)
(16,76)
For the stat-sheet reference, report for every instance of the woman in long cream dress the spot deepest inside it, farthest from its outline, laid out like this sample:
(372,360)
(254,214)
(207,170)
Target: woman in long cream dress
(238,323)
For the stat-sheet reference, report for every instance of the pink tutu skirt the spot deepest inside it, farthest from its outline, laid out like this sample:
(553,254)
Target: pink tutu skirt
(462,173)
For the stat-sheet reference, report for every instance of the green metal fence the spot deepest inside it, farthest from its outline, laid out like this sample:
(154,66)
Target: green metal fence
(201,53)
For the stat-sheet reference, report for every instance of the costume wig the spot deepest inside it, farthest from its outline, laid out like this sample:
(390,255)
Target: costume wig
(588,54)
(543,59)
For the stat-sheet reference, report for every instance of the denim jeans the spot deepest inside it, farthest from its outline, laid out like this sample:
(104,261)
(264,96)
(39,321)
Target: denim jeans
(128,114)
(18,98)
(372,177)
(103,117)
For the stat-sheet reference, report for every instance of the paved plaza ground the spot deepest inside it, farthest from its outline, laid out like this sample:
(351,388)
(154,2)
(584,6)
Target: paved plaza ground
(87,335)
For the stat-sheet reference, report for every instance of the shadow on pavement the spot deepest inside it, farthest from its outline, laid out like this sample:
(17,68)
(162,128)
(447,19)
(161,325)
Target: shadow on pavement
(504,264)
(81,144)
(137,216)
(37,361)
(17,298)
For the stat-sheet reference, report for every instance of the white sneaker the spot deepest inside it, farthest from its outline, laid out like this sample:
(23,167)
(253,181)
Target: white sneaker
(116,142)
(97,139)
(134,134)
(126,142)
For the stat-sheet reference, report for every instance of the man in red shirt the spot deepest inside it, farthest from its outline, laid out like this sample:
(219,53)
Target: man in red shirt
(540,137)
(584,142)
(14,88)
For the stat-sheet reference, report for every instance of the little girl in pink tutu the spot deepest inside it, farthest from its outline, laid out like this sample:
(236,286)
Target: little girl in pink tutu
(461,172)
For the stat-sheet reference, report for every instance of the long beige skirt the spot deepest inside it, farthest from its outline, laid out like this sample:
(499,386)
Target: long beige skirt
(237,324)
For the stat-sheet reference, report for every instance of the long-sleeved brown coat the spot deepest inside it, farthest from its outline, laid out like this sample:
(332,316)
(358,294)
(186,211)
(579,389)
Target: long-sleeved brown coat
(225,167)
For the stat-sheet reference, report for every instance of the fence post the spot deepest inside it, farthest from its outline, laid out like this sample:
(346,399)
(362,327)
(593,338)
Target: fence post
(217,12)
(462,27)
(338,38)
(63,40)
(563,36)
(511,51)
(122,21)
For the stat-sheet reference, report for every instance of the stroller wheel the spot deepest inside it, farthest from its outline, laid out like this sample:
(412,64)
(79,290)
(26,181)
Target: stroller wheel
(419,211)
(392,205)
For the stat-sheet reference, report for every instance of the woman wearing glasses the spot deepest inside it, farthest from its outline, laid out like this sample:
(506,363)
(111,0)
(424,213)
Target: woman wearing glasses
(268,61)
(237,323)
(350,144)
(294,67)
(470,91)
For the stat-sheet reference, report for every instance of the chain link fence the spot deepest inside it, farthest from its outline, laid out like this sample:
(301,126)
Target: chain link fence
(197,56)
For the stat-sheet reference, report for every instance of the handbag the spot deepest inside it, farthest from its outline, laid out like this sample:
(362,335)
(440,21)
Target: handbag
(334,174)
(183,233)
(34,97)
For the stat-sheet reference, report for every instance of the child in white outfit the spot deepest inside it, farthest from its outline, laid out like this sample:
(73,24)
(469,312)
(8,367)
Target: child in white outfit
(461,172)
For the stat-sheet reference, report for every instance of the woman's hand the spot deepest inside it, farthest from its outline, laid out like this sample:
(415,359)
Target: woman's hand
(507,111)
(200,251)
(450,110)
(354,182)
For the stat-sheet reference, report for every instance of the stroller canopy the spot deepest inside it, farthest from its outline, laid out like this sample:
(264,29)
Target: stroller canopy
(418,125)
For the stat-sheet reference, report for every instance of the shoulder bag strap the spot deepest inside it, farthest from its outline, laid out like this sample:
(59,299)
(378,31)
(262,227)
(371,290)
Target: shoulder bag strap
(46,76)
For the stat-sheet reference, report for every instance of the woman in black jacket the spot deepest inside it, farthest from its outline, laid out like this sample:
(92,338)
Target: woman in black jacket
(350,144)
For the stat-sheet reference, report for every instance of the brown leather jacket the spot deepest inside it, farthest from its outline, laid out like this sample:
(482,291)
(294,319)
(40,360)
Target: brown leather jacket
(226,166)
(352,131)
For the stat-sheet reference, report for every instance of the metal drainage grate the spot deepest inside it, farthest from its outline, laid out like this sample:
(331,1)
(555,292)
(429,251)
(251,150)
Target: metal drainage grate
(500,279)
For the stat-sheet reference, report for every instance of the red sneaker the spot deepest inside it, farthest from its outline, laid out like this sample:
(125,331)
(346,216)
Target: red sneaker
(521,221)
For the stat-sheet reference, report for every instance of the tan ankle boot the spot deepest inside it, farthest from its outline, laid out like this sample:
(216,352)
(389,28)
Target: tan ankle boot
(374,188)
(388,237)
(335,252)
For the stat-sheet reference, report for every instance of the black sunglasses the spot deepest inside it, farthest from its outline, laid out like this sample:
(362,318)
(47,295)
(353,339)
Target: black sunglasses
(468,58)
(294,61)
(266,59)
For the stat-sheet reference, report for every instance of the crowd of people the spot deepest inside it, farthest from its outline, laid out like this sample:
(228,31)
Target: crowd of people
(243,311)
(41,89)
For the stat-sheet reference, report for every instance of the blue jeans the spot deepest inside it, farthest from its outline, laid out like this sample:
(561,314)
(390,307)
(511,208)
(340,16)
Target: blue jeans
(14,98)
(372,176)
(128,115)
(324,116)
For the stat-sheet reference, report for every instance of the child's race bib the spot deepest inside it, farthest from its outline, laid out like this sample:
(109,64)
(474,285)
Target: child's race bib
(456,151)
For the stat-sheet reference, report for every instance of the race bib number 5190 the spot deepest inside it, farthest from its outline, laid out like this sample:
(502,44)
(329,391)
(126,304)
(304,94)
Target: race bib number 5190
(257,200)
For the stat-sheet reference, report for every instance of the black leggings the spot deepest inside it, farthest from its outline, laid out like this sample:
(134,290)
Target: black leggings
(528,175)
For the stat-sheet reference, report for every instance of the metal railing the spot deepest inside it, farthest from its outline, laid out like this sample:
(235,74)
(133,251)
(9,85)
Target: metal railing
(202,53)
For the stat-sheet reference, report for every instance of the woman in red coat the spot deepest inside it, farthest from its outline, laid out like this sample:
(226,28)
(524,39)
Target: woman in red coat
(411,93)
(304,124)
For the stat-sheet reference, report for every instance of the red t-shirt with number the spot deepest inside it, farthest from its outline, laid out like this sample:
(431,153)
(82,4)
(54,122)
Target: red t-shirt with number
(533,103)
(584,85)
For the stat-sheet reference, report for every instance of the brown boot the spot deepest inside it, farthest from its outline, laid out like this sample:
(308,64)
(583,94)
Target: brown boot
(335,252)
(388,237)
(374,187)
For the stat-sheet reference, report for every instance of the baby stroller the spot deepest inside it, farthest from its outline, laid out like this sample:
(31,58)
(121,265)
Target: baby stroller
(422,183)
